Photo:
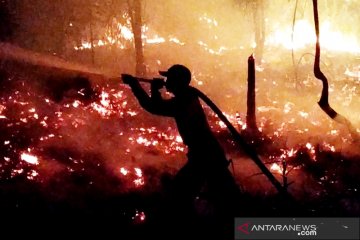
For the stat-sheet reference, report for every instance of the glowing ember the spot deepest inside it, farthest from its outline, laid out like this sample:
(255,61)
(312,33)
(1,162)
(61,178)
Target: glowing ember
(76,103)
(334,132)
(124,171)
(175,40)
(2,108)
(178,139)
(105,99)
(168,142)
(142,140)
(27,157)
(112,103)
(276,168)
(139,217)
(312,150)
(136,175)
(155,40)
(235,119)
(288,153)
(139,182)
(140,179)
(330,147)
(32,174)
(138,172)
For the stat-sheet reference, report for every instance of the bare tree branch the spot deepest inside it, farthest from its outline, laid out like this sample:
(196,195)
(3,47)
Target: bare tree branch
(324,99)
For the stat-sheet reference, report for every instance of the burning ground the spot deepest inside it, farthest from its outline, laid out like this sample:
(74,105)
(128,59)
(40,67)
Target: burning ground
(66,149)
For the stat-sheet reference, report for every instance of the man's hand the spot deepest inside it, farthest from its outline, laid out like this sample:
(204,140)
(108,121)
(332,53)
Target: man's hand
(157,83)
(128,79)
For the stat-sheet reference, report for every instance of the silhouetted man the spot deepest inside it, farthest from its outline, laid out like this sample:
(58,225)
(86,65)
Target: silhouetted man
(207,164)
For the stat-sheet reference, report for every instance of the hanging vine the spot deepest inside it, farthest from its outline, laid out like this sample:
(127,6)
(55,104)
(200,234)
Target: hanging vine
(324,99)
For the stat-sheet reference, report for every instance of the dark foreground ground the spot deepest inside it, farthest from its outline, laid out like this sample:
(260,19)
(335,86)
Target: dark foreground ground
(30,213)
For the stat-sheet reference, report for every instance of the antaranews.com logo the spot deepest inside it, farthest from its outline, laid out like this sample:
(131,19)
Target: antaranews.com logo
(302,230)
(297,228)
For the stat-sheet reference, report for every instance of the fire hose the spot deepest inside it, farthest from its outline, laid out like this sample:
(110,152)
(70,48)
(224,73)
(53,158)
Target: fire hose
(247,148)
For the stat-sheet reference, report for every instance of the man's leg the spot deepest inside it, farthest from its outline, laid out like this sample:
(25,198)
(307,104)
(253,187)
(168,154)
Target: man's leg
(178,216)
(223,190)
(185,187)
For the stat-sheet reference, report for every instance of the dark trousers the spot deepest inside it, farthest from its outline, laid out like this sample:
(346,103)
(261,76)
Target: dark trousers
(213,179)
(203,199)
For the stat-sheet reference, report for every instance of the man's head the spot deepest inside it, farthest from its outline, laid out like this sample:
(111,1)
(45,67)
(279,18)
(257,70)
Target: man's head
(178,78)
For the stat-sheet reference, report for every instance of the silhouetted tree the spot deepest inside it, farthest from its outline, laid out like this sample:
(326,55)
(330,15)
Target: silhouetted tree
(136,24)
(8,23)
(324,99)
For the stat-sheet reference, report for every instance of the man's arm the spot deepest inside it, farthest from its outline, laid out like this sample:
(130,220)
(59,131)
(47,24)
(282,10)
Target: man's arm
(154,104)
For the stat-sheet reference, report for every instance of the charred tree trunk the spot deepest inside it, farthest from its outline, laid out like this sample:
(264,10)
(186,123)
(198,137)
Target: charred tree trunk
(136,24)
(250,114)
(324,99)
